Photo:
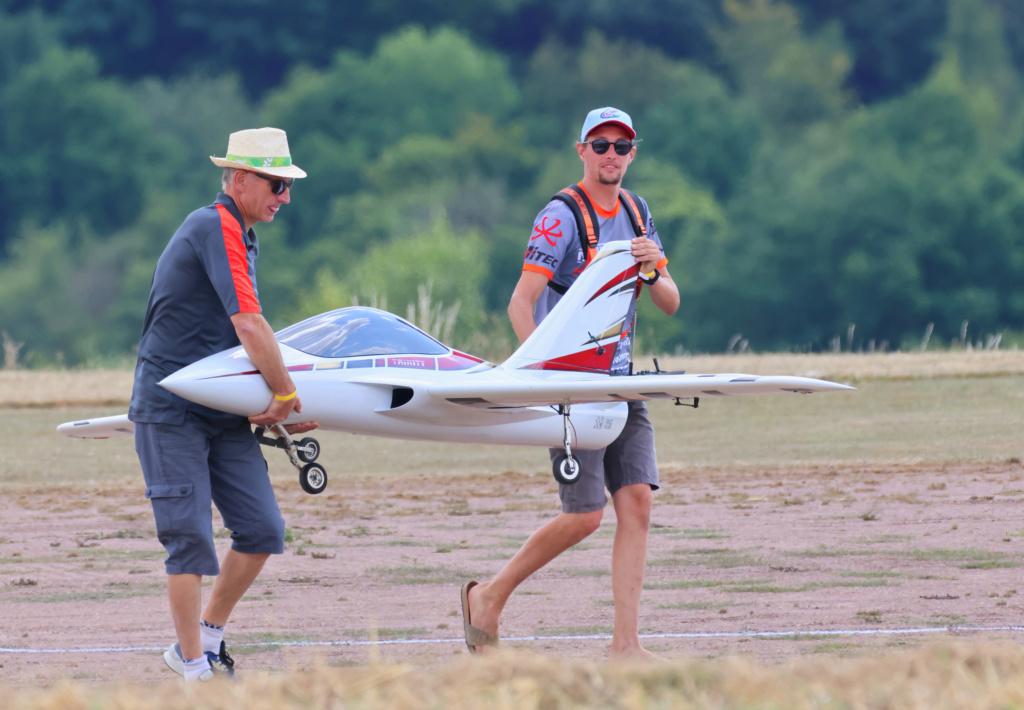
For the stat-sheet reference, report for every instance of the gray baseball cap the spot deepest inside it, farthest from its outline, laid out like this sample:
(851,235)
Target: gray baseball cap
(601,116)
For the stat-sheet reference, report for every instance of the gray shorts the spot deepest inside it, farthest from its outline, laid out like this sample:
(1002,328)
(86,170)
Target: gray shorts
(187,467)
(628,460)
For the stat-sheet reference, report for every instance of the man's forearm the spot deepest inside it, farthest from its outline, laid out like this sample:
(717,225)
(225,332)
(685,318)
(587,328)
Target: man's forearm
(665,294)
(257,337)
(521,316)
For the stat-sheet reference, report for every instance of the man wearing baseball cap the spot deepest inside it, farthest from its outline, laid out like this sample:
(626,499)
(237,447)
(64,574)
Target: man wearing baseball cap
(203,300)
(560,247)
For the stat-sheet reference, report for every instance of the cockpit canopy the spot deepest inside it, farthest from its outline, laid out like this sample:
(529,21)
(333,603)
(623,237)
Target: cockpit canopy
(351,332)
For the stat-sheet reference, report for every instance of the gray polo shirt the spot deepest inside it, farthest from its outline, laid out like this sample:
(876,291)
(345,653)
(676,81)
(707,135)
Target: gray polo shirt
(206,274)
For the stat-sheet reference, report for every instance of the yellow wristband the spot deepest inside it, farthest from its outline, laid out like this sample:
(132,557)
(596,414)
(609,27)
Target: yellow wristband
(287,397)
(648,277)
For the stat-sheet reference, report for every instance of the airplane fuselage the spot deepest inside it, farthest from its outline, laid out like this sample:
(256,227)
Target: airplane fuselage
(388,395)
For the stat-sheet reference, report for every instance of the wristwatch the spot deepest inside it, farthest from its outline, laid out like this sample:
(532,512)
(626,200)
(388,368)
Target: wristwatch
(650,278)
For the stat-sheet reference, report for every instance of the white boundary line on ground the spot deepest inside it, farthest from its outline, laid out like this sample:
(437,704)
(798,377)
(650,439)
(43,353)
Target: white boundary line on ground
(589,637)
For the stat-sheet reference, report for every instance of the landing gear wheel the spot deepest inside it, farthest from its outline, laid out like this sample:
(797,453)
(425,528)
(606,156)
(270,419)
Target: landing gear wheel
(313,478)
(567,469)
(308,450)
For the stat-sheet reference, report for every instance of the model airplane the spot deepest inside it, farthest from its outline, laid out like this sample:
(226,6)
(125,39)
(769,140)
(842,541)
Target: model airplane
(365,371)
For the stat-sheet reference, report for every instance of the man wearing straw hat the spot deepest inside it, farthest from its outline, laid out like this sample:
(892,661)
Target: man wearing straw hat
(204,300)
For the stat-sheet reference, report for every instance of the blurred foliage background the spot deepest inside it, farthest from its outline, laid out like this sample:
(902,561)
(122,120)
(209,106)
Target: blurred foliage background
(824,174)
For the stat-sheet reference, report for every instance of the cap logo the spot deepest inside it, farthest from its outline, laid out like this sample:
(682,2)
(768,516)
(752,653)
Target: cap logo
(610,114)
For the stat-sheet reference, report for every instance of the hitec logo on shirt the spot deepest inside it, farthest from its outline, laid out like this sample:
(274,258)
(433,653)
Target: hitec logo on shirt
(535,254)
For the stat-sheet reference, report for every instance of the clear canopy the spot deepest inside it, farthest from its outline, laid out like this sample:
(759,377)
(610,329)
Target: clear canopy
(351,332)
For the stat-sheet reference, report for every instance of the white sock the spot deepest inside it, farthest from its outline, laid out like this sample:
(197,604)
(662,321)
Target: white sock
(195,667)
(210,636)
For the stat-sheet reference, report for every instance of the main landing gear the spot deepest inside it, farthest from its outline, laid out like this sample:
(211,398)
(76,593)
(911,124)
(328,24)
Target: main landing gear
(312,476)
(566,467)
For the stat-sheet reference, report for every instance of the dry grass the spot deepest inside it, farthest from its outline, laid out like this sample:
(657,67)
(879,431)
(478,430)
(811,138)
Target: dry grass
(65,388)
(942,677)
(855,367)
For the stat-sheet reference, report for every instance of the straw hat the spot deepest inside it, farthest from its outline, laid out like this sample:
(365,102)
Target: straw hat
(262,150)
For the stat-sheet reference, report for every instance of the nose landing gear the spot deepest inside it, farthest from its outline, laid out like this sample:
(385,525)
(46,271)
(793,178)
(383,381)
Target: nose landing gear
(566,467)
(312,476)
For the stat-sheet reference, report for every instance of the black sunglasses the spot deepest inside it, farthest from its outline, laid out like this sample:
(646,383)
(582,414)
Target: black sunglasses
(622,146)
(277,185)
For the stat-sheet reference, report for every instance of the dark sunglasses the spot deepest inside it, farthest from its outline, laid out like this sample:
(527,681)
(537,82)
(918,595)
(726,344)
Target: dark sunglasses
(277,185)
(601,145)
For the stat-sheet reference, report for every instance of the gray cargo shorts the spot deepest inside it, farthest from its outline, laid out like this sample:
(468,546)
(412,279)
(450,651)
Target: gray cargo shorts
(628,460)
(189,466)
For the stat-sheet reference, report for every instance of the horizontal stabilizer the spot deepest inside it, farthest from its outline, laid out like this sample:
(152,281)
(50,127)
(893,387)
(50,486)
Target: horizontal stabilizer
(99,428)
(531,391)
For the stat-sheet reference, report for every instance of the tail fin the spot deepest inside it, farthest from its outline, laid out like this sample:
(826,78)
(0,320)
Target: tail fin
(588,330)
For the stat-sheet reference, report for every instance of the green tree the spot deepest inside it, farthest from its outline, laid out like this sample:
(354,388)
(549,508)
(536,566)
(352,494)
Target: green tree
(680,208)
(894,43)
(77,145)
(340,119)
(191,118)
(435,273)
(23,40)
(977,65)
(698,125)
(878,223)
(563,82)
(793,79)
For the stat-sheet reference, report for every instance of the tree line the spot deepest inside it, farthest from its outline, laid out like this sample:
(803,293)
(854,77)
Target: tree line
(823,174)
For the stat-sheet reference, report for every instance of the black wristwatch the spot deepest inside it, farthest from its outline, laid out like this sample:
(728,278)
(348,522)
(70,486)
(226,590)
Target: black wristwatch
(657,275)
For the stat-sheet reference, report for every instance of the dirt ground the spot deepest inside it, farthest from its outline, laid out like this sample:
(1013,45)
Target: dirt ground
(763,562)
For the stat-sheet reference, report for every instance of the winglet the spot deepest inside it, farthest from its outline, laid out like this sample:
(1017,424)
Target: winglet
(586,331)
(98,428)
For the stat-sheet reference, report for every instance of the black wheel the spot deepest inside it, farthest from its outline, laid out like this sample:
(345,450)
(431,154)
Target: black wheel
(309,450)
(566,469)
(313,478)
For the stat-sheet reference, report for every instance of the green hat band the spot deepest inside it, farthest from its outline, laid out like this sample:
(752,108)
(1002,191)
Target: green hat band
(284,162)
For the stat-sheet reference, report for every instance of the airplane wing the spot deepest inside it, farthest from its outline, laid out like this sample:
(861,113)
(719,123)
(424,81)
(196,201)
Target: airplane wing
(527,391)
(99,428)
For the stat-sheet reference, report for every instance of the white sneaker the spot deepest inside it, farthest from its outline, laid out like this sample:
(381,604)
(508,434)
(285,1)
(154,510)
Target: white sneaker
(173,659)
(221,663)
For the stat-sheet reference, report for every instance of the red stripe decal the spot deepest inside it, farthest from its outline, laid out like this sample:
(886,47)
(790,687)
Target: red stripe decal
(234,374)
(474,358)
(598,359)
(290,368)
(457,361)
(235,247)
(629,273)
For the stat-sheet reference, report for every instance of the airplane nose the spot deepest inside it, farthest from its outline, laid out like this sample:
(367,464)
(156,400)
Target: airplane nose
(221,382)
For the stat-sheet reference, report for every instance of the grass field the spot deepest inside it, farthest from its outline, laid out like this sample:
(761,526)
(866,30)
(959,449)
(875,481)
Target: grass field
(915,411)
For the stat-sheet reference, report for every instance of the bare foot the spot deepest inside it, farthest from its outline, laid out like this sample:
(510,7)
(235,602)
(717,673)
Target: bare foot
(633,653)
